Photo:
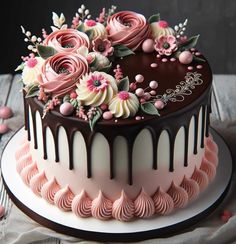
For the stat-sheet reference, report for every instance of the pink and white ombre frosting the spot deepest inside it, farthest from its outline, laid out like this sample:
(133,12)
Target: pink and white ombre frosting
(124,208)
(96,88)
(128,28)
(67,40)
(61,72)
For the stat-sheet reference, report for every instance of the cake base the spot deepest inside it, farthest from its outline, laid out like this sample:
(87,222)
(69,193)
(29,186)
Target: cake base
(112,230)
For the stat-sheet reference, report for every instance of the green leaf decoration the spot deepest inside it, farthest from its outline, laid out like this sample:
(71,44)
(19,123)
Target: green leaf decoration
(66,98)
(20,67)
(33,91)
(45,51)
(81,27)
(89,33)
(124,84)
(106,69)
(121,50)
(149,108)
(74,103)
(190,43)
(154,18)
(197,59)
(95,118)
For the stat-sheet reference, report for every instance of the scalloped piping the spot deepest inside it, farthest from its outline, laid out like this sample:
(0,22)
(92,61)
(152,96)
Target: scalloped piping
(124,208)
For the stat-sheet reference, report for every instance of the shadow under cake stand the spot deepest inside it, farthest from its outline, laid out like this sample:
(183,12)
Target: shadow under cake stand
(112,230)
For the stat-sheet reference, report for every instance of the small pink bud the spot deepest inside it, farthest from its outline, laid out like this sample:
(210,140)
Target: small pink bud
(186,57)
(147,96)
(31,62)
(73,95)
(153,84)
(148,46)
(66,109)
(163,24)
(153,93)
(5,112)
(107,115)
(139,78)
(104,107)
(159,104)
(3,129)
(197,53)
(132,86)
(142,100)
(90,23)
(123,95)
(139,92)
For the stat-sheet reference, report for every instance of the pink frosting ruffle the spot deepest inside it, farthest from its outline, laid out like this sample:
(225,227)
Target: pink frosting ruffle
(201,178)
(123,208)
(144,205)
(179,195)
(128,28)
(37,182)
(49,190)
(209,168)
(101,207)
(63,199)
(28,172)
(163,202)
(191,187)
(81,205)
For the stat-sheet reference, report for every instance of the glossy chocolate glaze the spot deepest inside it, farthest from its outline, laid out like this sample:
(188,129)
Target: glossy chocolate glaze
(173,116)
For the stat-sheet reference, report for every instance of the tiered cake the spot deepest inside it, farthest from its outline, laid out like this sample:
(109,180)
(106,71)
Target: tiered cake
(116,116)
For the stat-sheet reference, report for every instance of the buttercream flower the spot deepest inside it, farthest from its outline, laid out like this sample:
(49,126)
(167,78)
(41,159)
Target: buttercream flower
(103,46)
(98,29)
(124,104)
(68,40)
(96,88)
(166,45)
(128,28)
(161,28)
(31,70)
(99,61)
(61,72)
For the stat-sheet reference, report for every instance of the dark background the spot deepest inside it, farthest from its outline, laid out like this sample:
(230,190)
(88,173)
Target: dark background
(214,20)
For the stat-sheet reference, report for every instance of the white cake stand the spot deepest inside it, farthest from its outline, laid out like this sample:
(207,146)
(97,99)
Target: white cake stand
(89,228)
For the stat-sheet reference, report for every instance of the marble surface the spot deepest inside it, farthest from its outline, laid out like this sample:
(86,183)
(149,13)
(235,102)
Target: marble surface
(16,227)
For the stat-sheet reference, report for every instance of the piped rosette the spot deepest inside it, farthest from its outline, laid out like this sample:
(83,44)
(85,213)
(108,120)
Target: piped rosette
(63,199)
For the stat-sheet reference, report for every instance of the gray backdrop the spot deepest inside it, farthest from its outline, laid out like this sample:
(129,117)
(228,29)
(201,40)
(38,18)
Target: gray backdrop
(214,20)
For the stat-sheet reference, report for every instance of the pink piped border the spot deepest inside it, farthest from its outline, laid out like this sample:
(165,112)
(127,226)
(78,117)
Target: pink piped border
(124,208)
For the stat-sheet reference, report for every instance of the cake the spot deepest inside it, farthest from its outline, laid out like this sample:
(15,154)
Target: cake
(117,114)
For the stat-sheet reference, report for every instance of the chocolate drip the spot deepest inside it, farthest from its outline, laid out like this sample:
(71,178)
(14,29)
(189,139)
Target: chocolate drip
(26,118)
(155,137)
(111,147)
(186,141)
(70,138)
(195,134)
(45,155)
(172,135)
(34,130)
(88,141)
(208,120)
(203,126)
(130,142)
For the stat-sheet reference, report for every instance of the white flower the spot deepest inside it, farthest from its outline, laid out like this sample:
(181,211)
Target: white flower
(124,104)
(31,70)
(100,61)
(96,88)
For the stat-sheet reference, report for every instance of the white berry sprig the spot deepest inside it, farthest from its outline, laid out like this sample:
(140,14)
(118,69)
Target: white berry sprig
(83,13)
(33,40)
(180,28)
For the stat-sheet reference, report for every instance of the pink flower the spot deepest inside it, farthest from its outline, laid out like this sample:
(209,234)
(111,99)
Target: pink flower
(166,45)
(128,28)
(103,46)
(97,82)
(67,40)
(61,72)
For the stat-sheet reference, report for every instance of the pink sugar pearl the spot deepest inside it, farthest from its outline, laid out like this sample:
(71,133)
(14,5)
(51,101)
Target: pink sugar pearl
(147,96)
(5,112)
(159,104)
(66,109)
(190,68)
(2,211)
(132,86)
(3,128)
(73,95)
(107,115)
(164,60)
(173,59)
(138,118)
(139,92)
(153,84)
(154,65)
(139,78)
(148,46)
(185,57)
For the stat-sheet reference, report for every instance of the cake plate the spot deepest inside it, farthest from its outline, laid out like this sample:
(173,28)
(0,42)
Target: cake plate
(112,230)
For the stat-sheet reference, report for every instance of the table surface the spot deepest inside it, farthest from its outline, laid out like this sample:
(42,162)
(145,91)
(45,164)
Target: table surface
(223,119)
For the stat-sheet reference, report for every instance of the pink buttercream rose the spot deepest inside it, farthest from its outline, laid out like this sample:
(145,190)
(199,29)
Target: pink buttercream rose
(61,72)
(68,40)
(128,28)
